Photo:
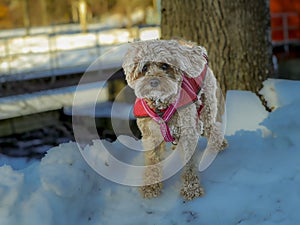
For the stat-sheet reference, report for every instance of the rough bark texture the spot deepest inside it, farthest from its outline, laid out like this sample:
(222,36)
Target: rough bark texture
(235,33)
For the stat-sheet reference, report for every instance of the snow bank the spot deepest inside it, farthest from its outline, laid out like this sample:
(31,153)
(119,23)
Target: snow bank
(16,163)
(244,112)
(55,191)
(284,123)
(42,101)
(279,92)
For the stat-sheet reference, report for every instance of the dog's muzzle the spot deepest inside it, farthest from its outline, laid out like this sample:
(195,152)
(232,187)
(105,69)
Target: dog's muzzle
(154,82)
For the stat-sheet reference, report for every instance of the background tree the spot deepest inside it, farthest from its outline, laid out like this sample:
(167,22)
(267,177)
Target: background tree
(127,8)
(235,33)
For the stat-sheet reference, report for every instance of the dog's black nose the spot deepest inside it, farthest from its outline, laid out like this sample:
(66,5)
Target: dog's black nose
(154,82)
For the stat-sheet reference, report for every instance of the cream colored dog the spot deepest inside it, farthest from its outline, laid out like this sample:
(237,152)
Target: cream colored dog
(177,101)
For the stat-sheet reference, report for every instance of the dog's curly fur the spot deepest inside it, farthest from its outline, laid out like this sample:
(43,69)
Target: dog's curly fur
(167,61)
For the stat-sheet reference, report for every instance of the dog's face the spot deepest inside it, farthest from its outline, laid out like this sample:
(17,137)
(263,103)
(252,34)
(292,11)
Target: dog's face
(155,81)
(154,68)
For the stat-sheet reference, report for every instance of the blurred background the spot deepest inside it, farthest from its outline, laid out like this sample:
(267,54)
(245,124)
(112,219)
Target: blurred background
(36,13)
(46,30)
(47,45)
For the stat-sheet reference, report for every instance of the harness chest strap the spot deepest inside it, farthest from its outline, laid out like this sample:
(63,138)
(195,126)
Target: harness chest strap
(162,121)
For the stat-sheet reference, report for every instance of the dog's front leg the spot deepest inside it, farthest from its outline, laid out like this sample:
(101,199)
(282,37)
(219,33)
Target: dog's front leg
(187,144)
(191,187)
(154,147)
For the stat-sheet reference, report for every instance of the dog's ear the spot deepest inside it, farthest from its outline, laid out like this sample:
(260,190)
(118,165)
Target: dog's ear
(192,59)
(131,64)
(187,56)
(131,73)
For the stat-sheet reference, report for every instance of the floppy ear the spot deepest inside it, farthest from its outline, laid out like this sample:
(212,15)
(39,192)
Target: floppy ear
(187,55)
(130,65)
(131,73)
(195,58)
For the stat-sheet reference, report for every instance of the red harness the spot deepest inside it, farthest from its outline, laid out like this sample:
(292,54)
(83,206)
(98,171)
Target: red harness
(189,91)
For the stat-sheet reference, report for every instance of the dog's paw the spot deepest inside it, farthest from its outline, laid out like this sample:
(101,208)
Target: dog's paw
(191,186)
(224,145)
(151,191)
(192,191)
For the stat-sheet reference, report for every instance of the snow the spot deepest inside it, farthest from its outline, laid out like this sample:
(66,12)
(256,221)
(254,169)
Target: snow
(255,181)
(280,92)
(20,105)
(16,163)
(247,102)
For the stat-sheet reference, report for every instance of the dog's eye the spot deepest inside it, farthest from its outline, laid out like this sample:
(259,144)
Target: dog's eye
(164,66)
(145,68)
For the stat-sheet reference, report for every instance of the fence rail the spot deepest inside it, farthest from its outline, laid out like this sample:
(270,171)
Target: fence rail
(52,54)
(59,50)
(285,28)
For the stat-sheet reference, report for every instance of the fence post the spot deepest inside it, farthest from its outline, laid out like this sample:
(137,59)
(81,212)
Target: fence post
(7,55)
(82,15)
(285,31)
(26,16)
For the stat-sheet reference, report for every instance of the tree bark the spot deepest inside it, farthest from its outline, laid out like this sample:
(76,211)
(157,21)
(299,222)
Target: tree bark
(235,33)
(44,13)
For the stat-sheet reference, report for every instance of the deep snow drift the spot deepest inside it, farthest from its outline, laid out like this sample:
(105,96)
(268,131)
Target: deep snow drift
(255,181)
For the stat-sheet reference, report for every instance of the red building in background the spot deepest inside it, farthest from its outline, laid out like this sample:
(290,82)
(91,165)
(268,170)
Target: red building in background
(285,22)
(285,26)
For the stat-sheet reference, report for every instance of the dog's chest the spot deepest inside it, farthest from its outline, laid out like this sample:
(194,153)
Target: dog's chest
(175,126)
(175,131)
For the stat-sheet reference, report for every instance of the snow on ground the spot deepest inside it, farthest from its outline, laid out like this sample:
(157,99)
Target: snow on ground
(237,101)
(279,93)
(42,101)
(255,181)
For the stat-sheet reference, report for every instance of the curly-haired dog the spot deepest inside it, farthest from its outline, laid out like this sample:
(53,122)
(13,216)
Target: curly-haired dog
(176,102)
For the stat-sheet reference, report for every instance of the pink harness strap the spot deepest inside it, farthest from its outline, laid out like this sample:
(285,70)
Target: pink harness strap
(162,121)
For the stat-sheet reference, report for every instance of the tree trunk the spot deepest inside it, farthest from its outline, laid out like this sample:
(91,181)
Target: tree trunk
(236,34)
(44,14)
